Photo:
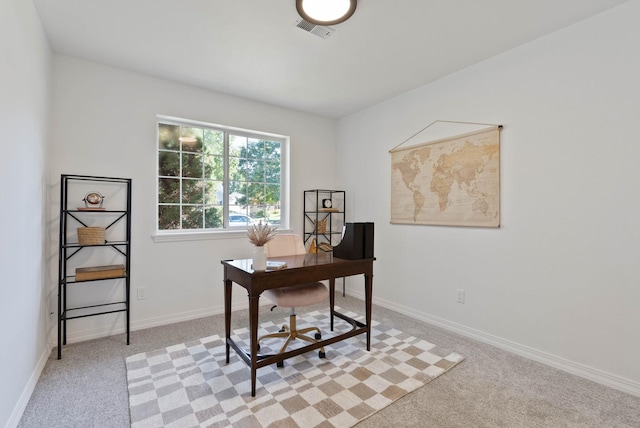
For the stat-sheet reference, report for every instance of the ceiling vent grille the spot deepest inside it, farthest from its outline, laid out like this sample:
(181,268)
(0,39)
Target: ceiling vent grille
(318,30)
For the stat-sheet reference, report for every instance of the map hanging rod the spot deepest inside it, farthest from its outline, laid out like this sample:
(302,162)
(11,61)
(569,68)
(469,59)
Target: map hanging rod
(444,121)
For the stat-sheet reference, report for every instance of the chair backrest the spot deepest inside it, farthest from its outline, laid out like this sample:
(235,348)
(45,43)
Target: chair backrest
(285,245)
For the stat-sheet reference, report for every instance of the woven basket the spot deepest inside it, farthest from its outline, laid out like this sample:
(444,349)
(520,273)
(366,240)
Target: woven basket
(321,226)
(91,235)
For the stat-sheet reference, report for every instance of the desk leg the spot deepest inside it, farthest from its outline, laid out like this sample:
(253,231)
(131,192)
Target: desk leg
(332,299)
(253,336)
(368,289)
(227,314)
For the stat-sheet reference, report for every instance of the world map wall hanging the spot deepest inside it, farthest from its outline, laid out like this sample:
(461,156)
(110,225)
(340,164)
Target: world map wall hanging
(453,181)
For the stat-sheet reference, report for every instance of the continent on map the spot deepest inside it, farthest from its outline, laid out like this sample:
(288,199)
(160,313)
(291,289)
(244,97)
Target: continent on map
(410,166)
(462,166)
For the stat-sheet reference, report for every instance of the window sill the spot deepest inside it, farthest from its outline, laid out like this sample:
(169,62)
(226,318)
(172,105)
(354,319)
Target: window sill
(203,235)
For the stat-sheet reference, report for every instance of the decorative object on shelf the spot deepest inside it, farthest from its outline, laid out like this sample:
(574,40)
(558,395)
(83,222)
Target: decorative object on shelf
(92,201)
(326,203)
(91,235)
(259,234)
(321,226)
(325,246)
(312,246)
(99,272)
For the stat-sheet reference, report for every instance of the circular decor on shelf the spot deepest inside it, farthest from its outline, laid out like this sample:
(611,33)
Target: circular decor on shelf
(93,200)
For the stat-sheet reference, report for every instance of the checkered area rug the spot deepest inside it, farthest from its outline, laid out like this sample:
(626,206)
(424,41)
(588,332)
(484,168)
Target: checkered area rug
(190,385)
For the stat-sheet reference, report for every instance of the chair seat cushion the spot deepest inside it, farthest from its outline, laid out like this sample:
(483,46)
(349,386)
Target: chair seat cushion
(298,295)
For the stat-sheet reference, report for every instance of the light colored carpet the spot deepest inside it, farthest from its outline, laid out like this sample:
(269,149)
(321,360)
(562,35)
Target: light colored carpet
(87,388)
(190,384)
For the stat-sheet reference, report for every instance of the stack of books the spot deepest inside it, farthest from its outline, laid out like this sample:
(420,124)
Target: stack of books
(275,265)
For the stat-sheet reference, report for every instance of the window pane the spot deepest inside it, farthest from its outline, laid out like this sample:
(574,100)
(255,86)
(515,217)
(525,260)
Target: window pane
(237,169)
(168,190)
(237,196)
(255,193)
(272,195)
(272,150)
(213,142)
(192,139)
(272,172)
(255,170)
(191,191)
(237,146)
(213,217)
(272,214)
(191,217)
(191,165)
(255,148)
(213,193)
(168,164)
(168,217)
(214,167)
(168,137)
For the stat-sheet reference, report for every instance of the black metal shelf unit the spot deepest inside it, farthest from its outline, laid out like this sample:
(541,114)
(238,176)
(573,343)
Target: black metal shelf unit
(109,219)
(324,216)
(323,224)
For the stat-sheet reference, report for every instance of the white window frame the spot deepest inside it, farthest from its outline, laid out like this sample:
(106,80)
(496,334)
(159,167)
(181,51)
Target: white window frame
(228,232)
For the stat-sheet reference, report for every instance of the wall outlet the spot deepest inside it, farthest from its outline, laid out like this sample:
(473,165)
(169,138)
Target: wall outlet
(142,293)
(460,296)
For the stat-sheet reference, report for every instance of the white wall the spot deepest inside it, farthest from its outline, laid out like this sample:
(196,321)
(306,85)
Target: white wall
(560,279)
(25,68)
(104,123)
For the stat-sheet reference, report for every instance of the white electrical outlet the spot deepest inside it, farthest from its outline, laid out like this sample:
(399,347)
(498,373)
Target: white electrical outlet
(460,296)
(142,293)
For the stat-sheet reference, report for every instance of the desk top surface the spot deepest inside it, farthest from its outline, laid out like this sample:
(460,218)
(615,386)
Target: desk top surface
(293,262)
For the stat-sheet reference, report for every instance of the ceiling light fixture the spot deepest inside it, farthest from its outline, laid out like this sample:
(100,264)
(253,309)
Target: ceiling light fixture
(326,12)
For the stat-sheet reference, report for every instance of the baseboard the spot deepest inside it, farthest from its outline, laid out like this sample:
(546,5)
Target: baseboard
(21,405)
(599,376)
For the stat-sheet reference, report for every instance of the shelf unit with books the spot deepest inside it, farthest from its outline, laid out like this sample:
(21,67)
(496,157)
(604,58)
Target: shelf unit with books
(324,218)
(85,234)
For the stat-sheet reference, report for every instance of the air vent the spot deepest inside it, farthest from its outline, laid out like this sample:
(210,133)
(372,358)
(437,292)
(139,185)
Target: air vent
(318,30)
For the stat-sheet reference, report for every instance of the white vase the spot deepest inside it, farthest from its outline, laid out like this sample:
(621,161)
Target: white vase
(259,259)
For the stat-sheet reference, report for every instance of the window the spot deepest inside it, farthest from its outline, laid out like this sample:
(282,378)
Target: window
(217,178)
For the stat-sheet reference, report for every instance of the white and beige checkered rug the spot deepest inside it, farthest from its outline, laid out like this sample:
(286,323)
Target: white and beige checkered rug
(190,385)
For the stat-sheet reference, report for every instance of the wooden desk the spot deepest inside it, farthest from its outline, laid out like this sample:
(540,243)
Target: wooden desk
(300,269)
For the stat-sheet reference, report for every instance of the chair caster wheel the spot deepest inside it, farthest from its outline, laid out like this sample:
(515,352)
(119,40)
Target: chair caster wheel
(280,364)
(318,336)
(322,354)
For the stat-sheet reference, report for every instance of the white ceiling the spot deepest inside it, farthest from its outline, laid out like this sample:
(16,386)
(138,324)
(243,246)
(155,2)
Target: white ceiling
(252,48)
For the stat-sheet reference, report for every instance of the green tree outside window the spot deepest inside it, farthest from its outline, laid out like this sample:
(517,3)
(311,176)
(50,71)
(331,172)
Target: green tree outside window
(197,163)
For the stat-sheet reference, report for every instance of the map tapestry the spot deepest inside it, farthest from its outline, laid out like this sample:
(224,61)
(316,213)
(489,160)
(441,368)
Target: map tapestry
(453,181)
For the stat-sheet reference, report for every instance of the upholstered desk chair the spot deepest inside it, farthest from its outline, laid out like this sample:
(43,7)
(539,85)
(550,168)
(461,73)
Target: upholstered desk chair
(295,295)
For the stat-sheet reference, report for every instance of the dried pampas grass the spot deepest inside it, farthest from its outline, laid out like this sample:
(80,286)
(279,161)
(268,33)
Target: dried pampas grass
(261,233)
